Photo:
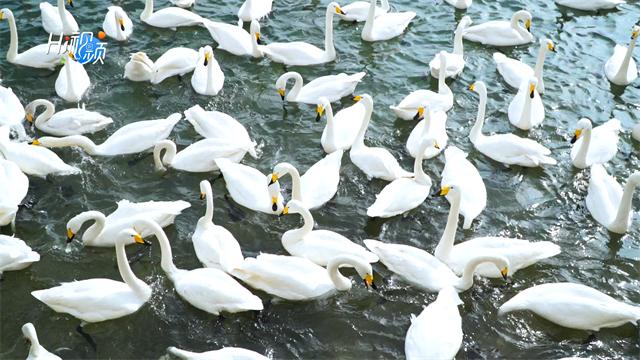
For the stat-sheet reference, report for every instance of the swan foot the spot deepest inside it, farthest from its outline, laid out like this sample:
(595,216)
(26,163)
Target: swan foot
(87,337)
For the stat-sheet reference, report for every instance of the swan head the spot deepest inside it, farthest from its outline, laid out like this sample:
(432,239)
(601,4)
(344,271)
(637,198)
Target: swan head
(523,15)
(277,205)
(450,191)
(531,87)
(131,234)
(478,87)
(279,171)
(584,124)
(635,32)
(335,8)
(421,111)
(294,207)
(29,332)
(549,44)
(206,54)
(323,104)
(281,83)
(205,188)
(465,22)
(254,29)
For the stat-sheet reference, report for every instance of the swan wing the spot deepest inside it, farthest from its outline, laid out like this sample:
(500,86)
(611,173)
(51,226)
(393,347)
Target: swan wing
(75,122)
(603,145)
(461,172)
(200,156)
(512,149)
(51,21)
(513,71)
(217,248)
(590,5)
(320,246)
(230,38)
(39,57)
(295,53)
(37,160)
(247,186)
(15,254)
(176,61)
(173,17)
(14,184)
(398,197)
(162,212)
(389,25)
(333,87)
(320,183)
(497,33)
(378,163)
(603,195)
(139,136)
(12,110)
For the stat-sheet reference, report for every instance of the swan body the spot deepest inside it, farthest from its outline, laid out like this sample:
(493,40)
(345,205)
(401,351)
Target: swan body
(437,332)
(404,194)
(515,72)
(36,57)
(425,271)
(218,125)
(36,351)
(595,146)
(375,162)
(459,4)
(175,62)
(385,26)
(433,126)
(250,188)
(519,253)
(132,138)
(319,246)
(608,202)
(502,33)
(506,148)
(358,10)
(318,185)
(117,24)
(183,3)
(460,171)
(15,254)
(296,278)
(574,306)
(12,111)
(13,188)
(299,53)
(214,245)
(227,353)
(139,67)
(590,5)
(235,39)
(58,20)
(66,122)
(621,68)
(342,128)
(437,101)
(96,300)
(207,78)
(254,9)
(197,157)
(33,160)
(333,87)
(171,17)
(103,231)
(526,109)
(208,289)
(73,81)
(635,133)
(454,60)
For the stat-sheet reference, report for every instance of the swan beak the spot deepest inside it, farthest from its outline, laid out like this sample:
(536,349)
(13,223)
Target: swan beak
(576,136)
(274,178)
(420,115)
(1,15)
(527,25)
(35,142)
(207,58)
(202,196)
(339,11)
(259,39)
(70,2)
(368,282)
(29,117)
(121,22)
(532,91)
(505,273)
(285,211)
(445,190)
(138,239)
(357,98)
(472,87)
(281,92)
(551,47)
(71,56)
(634,34)
(70,235)
(435,145)
(319,111)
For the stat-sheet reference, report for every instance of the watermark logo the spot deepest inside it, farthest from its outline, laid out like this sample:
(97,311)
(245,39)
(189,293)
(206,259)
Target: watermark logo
(84,46)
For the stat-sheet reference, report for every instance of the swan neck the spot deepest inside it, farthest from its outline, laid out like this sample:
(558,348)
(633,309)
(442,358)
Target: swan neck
(35,349)
(466,281)
(443,89)
(148,10)
(542,53)
(296,190)
(297,85)
(94,230)
(74,140)
(443,250)
(581,156)
(368,111)
(368,25)
(457,41)
(12,54)
(125,270)
(63,17)
(476,130)
(169,155)
(515,24)
(329,47)
(333,269)
(208,195)
(210,76)
(47,114)
(624,209)
(166,262)
(624,67)
(69,75)
(525,116)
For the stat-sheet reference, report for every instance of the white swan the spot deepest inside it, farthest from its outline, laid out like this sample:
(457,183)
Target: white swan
(594,146)
(15,254)
(227,353)
(12,111)
(635,132)
(375,162)
(139,67)
(57,20)
(459,4)
(33,160)
(254,10)
(234,39)
(132,138)
(515,72)
(519,253)
(37,57)
(250,188)
(526,110)
(318,185)
(505,148)
(357,11)
(621,68)
(100,299)
(403,194)
(608,203)
(73,81)
(296,278)
(432,124)
(385,26)
(574,306)
(207,78)
(197,157)
(333,87)
(342,129)
(117,24)
(421,269)
(36,351)
(460,171)
(66,122)
(14,185)
(208,289)
(502,33)
(183,3)
(455,60)
(218,125)
(437,332)
(214,245)
(437,101)
(175,62)
(171,17)
(104,230)
(590,5)
(319,246)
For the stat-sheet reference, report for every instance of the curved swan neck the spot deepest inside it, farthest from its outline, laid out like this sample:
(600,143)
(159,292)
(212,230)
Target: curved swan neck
(148,10)
(297,85)
(74,140)
(443,89)
(208,196)
(515,24)
(12,54)
(466,281)
(329,47)
(333,269)
(581,157)
(66,27)
(170,153)
(621,222)
(457,39)
(418,170)
(29,331)
(368,111)
(624,67)
(127,275)
(443,250)
(166,262)
(476,130)
(296,191)
(94,230)
(295,235)
(537,72)
(368,25)
(50,109)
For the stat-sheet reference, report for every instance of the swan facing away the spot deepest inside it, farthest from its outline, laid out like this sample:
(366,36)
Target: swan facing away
(58,20)
(574,306)
(73,81)
(621,68)
(254,10)
(594,146)
(227,353)
(36,351)
(171,17)
(333,87)
(66,122)
(15,254)
(385,26)
(431,124)
(139,67)
(117,24)
(502,33)
(515,72)
(14,185)
(454,60)
(358,11)
(608,203)
(12,112)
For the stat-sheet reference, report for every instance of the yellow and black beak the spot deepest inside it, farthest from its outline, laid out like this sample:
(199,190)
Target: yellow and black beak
(368,282)
(202,196)
(527,25)
(70,2)
(140,240)
(274,178)
(285,211)
(634,34)
(357,98)
(70,235)
(445,190)
(35,142)
(551,47)
(281,92)
(1,15)
(472,87)
(532,91)
(339,11)
(319,112)
(419,115)
(435,145)
(576,136)
(259,39)
(29,117)
(505,273)
(207,58)
(121,23)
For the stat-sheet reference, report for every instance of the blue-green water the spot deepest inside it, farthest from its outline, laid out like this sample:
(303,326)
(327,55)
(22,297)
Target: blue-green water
(540,204)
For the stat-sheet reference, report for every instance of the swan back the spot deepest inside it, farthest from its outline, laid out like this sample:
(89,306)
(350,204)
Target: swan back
(139,67)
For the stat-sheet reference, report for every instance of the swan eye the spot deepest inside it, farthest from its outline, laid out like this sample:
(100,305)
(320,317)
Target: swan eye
(445,190)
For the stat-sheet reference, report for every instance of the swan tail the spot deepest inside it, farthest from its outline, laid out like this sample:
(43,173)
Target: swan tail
(546,160)
(179,353)
(544,249)
(373,245)
(358,76)
(174,118)
(516,303)
(252,150)
(449,293)
(499,57)
(467,222)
